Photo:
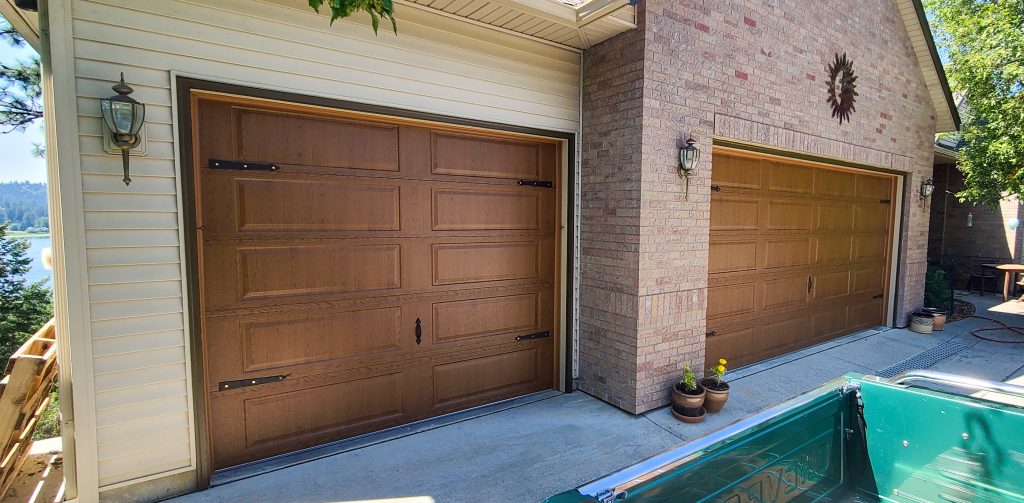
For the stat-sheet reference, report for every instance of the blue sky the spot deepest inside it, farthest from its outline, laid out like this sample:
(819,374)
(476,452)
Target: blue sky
(16,161)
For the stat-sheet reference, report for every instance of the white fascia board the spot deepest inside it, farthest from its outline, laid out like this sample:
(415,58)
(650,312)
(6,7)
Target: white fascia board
(24,22)
(597,9)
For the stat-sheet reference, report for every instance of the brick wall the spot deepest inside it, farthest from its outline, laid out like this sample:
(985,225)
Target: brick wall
(751,71)
(987,237)
(609,219)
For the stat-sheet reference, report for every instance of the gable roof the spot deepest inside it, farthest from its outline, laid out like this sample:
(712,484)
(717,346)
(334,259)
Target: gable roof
(946,116)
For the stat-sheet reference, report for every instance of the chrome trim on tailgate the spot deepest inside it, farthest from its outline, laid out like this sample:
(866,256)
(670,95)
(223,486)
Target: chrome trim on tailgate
(609,487)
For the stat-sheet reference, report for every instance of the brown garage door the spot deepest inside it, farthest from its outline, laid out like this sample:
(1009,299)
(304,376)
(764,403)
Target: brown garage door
(799,253)
(389,270)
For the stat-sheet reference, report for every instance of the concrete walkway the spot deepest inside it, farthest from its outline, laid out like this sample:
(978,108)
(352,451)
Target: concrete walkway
(532,451)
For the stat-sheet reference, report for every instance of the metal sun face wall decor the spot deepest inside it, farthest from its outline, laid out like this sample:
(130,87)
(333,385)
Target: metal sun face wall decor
(842,88)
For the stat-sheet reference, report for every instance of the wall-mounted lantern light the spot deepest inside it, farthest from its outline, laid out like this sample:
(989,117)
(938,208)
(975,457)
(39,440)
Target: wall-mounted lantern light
(688,157)
(123,116)
(970,219)
(927,188)
(27,5)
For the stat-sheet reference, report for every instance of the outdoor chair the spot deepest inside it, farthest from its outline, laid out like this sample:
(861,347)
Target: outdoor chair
(980,274)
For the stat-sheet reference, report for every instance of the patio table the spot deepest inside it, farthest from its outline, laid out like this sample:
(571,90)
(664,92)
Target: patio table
(1007,269)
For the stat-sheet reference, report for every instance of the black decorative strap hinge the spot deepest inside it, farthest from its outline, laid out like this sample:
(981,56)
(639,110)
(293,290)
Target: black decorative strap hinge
(879,296)
(242,165)
(545,184)
(885,201)
(538,335)
(716,188)
(242,383)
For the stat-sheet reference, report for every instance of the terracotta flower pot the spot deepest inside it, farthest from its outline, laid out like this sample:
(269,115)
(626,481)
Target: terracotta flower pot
(714,399)
(688,405)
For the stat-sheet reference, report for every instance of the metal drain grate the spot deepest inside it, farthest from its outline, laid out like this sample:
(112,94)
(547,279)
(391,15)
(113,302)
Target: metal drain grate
(923,360)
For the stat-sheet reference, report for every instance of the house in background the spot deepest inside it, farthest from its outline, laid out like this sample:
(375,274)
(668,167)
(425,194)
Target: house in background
(329,233)
(968,234)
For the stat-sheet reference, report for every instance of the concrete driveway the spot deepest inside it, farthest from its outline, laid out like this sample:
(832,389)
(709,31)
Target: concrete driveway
(533,449)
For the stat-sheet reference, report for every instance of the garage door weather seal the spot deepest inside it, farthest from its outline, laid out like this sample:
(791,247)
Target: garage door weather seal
(247,470)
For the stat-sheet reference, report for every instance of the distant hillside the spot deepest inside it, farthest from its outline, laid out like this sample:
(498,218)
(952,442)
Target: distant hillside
(23,206)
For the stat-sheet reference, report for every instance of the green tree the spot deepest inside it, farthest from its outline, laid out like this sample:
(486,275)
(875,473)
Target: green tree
(20,89)
(985,43)
(24,306)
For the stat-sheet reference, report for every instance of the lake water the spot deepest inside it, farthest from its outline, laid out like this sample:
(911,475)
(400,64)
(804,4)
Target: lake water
(35,252)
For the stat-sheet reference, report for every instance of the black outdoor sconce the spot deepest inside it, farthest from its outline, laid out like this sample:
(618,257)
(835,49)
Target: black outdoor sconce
(27,5)
(688,157)
(927,188)
(123,116)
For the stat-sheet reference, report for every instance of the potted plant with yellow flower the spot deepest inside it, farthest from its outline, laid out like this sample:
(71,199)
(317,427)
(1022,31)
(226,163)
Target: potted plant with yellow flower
(717,388)
(688,398)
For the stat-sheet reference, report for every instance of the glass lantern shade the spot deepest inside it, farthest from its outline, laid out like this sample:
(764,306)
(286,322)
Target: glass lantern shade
(123,115)
(689,155)
(927,188)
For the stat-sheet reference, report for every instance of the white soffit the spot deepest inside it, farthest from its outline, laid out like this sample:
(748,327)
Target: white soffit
(24,22)
(946,116)
(575,26)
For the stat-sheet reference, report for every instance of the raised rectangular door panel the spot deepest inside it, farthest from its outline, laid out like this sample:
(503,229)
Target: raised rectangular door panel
(790,178)
(737,345)
(465,319)
(799,253)
(316,205)
(732,300)
(385,270)
(470,381)
(734,213)
(732,256)
(833,184)
(788,215)
(473,155)
(786,252)
(281,271)
(483,262)
(281,342)
(276,137)
(736,172)
(485,209)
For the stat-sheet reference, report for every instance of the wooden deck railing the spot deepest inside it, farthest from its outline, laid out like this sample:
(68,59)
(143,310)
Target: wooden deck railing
(24,396)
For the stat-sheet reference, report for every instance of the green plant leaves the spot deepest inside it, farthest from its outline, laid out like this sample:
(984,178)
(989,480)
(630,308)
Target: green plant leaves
(985,43)
(377,9)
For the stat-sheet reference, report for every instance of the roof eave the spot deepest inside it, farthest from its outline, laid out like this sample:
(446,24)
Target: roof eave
(24,22)
(937,67)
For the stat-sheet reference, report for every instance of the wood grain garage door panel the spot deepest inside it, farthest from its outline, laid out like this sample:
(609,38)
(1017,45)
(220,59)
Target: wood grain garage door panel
(467,155)
(480,262)
(292,341)
(320,205)
(315,141)
(497,375)
(736,172)
(734,213)
(788,215)
(311,411)
(799,259)
(282,271)
(486,316)
(385,270)
(834,183)
(790,178)
(485,209)
(732,256)
(786,252)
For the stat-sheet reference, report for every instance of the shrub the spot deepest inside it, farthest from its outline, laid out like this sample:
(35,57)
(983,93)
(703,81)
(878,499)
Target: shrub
(936,288)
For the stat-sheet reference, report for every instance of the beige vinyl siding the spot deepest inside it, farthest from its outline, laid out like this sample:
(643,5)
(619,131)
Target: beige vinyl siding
(134,249)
